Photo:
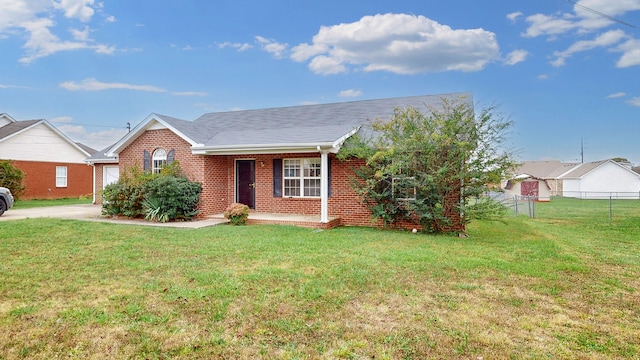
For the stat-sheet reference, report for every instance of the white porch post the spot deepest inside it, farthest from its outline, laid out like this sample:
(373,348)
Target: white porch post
(324,187)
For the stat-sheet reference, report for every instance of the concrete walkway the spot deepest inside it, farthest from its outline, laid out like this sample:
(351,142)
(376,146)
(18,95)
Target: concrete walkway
(90,212)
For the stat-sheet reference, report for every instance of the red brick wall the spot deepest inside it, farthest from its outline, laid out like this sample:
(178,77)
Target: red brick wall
(98,184)
(343,203)
(40,180)
(216,173)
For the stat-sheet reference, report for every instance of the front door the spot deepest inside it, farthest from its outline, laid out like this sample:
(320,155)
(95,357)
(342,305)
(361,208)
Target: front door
(246,182)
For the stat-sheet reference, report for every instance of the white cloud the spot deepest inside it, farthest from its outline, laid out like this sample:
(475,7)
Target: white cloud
(62,119)
(634,102)
(81,35)
(616,95)
(631,53)
(398,43)
(350,93)
(516,56)
(238,46)
(514,16)
(604,40)
(95,85)
(543,77)
(271,46)
(540,24)
(97,140)
(4,86)
(189,93)
(587,17)
(92,84)
(79,9)
(35,21)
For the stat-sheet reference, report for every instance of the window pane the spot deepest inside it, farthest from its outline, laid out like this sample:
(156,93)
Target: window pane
(312,168)
(159,159)
(291,168)
(312,187)
(291,187)
(61,176)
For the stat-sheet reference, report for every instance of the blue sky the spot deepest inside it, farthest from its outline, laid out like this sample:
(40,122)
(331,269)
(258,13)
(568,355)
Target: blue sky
(562,72)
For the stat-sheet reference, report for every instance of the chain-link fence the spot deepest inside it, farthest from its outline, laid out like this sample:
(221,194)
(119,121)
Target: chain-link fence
(604,205)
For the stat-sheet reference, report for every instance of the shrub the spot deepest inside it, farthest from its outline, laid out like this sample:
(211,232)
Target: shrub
(157,197)
(237,214)
(168,197)
(11,178)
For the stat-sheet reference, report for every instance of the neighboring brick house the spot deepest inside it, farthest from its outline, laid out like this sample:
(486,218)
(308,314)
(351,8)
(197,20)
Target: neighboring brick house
(279,160)
(53,165)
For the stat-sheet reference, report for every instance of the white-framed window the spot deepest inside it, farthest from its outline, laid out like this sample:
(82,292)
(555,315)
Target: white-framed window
(403,187)
(61,176)
(301,177)
(158,160)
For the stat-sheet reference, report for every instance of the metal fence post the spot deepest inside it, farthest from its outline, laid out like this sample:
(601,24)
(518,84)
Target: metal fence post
(610,209)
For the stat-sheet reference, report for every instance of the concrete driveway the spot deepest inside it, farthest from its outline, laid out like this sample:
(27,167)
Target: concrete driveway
(90,212)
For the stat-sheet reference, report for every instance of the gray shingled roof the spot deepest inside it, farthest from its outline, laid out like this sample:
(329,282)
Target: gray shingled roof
(15,127)
(295,128)
(101,157)
(544,169)
(584,169)
(86,148)
(300,124)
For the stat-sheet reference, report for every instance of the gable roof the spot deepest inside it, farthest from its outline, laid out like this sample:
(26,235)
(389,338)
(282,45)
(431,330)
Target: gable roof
(548,169)
(102,157)
(16,127)
(305,128)
(586,168)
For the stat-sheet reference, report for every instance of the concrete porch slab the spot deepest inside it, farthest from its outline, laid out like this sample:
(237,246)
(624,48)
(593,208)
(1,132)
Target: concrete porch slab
(308,221)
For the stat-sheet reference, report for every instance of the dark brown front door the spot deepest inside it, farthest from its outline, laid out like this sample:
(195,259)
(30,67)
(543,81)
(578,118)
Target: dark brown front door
(246,182)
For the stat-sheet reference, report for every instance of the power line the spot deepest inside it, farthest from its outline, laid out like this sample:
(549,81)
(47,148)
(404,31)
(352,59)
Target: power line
(600,13)
(92,125)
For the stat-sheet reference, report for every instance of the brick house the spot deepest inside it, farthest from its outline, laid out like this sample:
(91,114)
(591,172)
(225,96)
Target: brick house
(53,165)
(278,160)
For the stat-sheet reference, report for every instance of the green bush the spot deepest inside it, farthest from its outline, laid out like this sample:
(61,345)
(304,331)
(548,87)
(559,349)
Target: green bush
(11,178)
(168,197)
(237,214)
(159,197)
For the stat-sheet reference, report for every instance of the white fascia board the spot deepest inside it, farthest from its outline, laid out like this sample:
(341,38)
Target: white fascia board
(102,161)
(142,127)
(338,143)
(263,149)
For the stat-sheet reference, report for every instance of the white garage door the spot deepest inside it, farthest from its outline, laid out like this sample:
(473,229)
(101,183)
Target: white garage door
(110,174)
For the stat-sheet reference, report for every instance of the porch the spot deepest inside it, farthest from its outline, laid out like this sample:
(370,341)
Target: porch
(308,221)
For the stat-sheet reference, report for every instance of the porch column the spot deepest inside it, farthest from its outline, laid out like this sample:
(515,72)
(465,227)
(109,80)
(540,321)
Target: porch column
(324,187)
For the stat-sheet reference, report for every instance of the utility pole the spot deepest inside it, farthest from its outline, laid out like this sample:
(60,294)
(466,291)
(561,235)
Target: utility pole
(581,150)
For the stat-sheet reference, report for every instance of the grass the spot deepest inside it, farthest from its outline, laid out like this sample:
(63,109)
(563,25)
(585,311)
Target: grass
(559,286)
(33,203)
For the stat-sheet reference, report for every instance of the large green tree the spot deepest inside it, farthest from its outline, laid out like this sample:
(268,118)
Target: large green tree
(431,168)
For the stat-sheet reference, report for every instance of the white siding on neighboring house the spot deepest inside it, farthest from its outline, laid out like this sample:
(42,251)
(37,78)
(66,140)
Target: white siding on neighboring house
(4,120)
(571,187)
(42,143)
(608,178)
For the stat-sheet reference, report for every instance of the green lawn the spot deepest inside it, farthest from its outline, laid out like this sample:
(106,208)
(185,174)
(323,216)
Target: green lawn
(559,286)
(24,204)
